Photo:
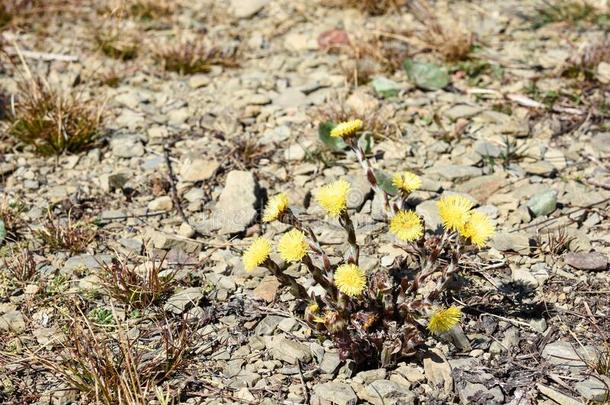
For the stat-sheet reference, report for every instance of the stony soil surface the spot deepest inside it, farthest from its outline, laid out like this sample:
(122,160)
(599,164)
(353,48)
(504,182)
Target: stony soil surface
(528,142)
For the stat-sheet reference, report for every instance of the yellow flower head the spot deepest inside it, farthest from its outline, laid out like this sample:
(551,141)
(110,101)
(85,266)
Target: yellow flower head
(256,254)
(443,320)
(293,246)
(454,211)
(333,197)
(407,226)
(275,207)
(347,128)
(478,228)
(350,279)
(406,181)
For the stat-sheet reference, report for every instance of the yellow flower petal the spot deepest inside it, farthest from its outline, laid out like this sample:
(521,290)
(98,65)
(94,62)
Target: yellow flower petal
(333,197)
(478,229)
(344,129)
(407,226)
(275,207)
(256,254)
(350,279)
(443,320)
(293,246)
(406,181)
(454,211)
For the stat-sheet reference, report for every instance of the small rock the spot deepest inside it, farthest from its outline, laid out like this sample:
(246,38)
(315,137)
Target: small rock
(594,388)
(366,377)
(594,261)
(267,325)
(184,299)
(330,363)
(127,146)
(565,354)
(235,208)
(163,203)
(505,241)
(12,321)
(185,230)
(543,203)
(199,80)
(557,396)
(385,87)
(334,393)
(384,392)
(289,351)
(291,98)
(462,111)
(267,289)
(456,172)
(481,393)
(438,370)
(603,72)
(332,39)
(541,168)
(198,169)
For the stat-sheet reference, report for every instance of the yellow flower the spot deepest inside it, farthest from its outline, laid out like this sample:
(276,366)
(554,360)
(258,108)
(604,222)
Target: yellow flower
(333,197)
(256,254)
(454,211)
(350,279)
(478,228)
(293,246)
(406,181)
(443,320)
(407,226)
(347,128)
(275,207)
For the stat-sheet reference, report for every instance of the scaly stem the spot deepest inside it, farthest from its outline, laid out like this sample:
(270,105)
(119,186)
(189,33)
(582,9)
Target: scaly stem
(296,289)
(348,225)
(316,272)
(289,218)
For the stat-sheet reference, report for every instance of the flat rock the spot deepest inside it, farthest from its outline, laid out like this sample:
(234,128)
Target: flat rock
(594,261)
(384,392)
(12,321)
(543,203)
(267,289)
(163,203)
(194,170)
(438,370)
(456,172)
(507,241)
(565,354)
(235,208)
(481,188)
(462,111)
(334,393)
(429,212)
(594,388)
(127,146)
(181,301)
(558,397)
(289,350)
(86,261)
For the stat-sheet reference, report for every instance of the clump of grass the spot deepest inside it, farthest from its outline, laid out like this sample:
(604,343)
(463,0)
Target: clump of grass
(567,11)
(65,234)
(372,7)
(190,57)
(150,9)
(53,122)
(21,266)
(116,41)
(114,367)
(555,242)
(583,64)
(10,215)
(138,285)
(452,41)
(373,121)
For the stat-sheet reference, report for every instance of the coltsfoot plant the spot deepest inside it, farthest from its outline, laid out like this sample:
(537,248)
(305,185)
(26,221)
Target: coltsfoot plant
(379,318)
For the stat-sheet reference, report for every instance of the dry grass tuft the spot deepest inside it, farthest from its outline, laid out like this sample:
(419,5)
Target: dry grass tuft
(116,41)
(189,57)
(372,7)
(10,215)
(137,285)
(65,234)
(117,366)
(150,9)
(21,266)
(451,40)
(53,122)
(374,122)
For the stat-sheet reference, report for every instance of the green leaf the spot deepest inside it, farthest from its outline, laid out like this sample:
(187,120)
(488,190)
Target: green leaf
(385,182)
(366,142)
(428,76)
(2,231)
(335,144)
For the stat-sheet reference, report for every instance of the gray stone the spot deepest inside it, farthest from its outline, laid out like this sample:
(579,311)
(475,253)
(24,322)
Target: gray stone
(87,262)
(594,388)
(127,146)
(247,8)
(456,172)
(165,241)
(594,261)
(163,203)
(541,168)
(235,208)
(289,351)
(481,188)
(365,377)
(385,87)
(558,397)
(438,370)
(198,169)
(334,393)
(291,98)
(12,321)
(601,142)
(481,392)
(428,210)
(489,149)
(267,325)
(199,80)
(565,354)
(183,300)
(462,111)
(505,241)
(330,363)
(543,203)
(384,392)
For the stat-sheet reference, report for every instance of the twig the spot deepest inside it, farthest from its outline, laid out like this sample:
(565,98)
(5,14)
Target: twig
(43,56)
(172,182)
(305,389)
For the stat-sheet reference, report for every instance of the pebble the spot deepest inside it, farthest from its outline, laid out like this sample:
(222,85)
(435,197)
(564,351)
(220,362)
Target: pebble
(235,208)
(334,393)
(593,261)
